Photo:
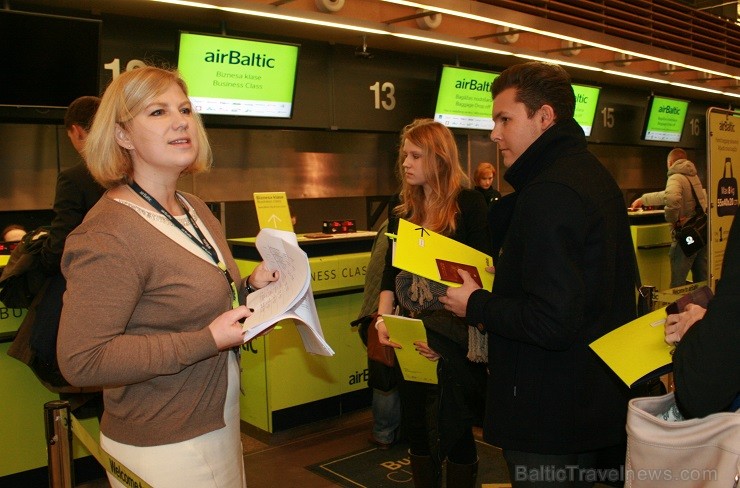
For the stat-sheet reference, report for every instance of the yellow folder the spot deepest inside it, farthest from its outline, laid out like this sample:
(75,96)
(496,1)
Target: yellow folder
(637,351)
(405,331)
(436,257)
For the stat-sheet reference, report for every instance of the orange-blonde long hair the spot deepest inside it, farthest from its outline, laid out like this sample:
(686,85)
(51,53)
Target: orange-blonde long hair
(444,177)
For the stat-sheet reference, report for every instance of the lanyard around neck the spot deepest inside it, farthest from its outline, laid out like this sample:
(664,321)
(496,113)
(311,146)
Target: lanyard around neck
(202,242)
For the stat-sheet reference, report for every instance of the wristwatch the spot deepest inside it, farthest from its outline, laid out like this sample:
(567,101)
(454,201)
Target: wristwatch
(249,287)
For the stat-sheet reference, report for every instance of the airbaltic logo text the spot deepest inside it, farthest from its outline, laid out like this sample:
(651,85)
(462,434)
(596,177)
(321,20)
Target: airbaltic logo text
(237,58)
(667,109)
(473,85)
(359,377)
(727,126)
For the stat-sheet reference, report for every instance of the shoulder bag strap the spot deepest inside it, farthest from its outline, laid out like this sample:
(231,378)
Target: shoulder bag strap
(698,208)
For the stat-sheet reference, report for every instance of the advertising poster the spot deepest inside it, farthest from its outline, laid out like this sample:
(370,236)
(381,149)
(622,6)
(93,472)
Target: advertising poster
(723,160)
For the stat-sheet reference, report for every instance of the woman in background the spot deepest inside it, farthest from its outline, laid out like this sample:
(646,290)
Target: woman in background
(152,307)
(13,233)
(484,176)
(437,419)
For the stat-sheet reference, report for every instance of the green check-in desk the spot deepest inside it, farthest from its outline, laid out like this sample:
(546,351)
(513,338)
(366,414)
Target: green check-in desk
(284,385)
(651,237)
(22,399)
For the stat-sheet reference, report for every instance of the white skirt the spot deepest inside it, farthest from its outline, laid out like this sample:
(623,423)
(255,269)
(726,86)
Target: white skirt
(212,460)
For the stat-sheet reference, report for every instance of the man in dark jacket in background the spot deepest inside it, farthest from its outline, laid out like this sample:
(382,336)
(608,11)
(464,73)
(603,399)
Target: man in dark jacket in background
(76,193)
(565,276)
(76,190)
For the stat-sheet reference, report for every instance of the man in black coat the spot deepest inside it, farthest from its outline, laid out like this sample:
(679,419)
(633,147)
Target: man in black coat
(76,193)
(565,276)
(76,190)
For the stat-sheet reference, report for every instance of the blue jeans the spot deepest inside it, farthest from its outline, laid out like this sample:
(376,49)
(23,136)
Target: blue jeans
(386,415)
(681,264)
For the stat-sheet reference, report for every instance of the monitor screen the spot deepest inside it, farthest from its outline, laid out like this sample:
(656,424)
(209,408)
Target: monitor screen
(587,97)
(241,77)
(464,98)
(665,119)
(43,64)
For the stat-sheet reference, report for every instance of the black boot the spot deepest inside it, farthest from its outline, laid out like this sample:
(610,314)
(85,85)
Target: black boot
(461,475)
(424,471)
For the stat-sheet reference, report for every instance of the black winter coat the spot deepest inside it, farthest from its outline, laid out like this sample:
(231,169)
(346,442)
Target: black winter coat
(565,276)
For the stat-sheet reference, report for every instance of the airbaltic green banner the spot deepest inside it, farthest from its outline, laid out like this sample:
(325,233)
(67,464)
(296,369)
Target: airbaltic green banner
(232,76)
(586,99)
(665,119)
(464,98)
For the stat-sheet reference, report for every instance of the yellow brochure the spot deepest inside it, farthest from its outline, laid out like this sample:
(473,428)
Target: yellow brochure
(405,331)
(636,351)
(437,257)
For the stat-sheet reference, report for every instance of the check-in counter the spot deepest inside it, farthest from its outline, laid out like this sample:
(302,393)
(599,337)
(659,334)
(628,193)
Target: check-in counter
(284,385)
(651,236)
(22,399)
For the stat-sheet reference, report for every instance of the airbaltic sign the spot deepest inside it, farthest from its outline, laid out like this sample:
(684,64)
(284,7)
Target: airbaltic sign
(233,76)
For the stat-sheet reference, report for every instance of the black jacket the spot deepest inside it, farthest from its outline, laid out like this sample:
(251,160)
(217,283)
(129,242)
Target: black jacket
(76,193)
(565,276)
(706,368)
(491,194)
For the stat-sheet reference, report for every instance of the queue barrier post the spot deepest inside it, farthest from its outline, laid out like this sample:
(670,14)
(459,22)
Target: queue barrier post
(59,444)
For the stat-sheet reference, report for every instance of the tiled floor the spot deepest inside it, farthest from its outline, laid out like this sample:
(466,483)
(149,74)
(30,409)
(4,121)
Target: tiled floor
(282,462)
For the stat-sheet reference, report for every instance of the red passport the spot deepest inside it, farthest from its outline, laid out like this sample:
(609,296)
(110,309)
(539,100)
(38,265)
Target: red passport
(448,271)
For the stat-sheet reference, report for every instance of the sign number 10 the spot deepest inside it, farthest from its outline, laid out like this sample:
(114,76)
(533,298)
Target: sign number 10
(387,91)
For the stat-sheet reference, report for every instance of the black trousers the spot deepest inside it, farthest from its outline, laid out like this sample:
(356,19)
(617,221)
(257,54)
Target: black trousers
(438,419)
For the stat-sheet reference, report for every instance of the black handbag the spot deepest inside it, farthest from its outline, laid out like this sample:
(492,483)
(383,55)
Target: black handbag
(22,277)
(692,235)
(727,192)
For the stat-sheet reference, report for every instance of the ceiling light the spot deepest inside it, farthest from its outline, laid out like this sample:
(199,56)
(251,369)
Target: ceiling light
(443,42)
(636,76)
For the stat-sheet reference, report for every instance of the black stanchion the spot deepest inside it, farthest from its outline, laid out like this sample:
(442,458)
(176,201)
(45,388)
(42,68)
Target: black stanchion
(59,444)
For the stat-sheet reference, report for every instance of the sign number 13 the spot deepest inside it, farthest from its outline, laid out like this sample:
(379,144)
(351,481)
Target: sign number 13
(387,90)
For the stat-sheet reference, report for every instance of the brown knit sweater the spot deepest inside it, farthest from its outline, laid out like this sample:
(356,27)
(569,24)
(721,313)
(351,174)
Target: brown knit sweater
(135,319)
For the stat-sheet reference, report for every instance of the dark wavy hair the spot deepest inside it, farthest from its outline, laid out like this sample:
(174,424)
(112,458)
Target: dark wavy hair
(539,84)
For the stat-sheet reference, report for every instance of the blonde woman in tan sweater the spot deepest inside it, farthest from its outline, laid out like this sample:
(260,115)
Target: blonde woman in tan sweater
(154,298)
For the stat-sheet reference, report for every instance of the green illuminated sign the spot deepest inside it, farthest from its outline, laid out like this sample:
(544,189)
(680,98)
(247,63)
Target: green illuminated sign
(665,119)
(464,98)
(232,76)
(586,99)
